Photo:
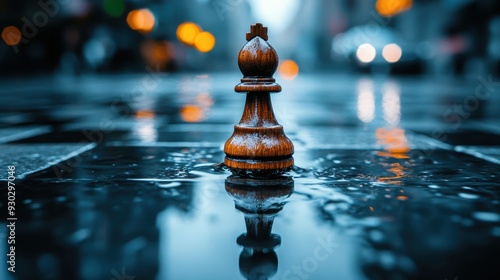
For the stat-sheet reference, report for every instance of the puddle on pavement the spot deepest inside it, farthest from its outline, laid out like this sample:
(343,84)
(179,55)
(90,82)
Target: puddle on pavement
(175,213)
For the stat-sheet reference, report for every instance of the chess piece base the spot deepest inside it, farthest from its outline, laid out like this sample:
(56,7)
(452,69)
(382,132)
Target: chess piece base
(259,166)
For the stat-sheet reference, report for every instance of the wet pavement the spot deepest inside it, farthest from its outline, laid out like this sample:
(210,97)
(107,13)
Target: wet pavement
(120,177)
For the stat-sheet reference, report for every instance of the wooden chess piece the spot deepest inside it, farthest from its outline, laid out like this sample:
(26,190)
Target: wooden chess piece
(258,144)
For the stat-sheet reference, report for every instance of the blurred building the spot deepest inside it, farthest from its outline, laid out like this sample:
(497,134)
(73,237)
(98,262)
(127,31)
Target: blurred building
(72,37)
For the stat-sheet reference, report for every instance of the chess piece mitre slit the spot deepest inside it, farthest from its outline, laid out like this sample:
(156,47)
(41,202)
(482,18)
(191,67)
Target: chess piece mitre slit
(258,143)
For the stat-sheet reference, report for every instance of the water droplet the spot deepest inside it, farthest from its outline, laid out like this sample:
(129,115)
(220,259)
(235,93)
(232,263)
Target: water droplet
(434,186)
(468,195)
(486,216)
(168,185)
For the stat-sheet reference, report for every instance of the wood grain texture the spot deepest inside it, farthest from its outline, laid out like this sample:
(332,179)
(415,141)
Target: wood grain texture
(258,142)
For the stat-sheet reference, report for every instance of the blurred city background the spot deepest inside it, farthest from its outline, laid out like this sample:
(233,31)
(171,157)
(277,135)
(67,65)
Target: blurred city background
(74,37)
(392,106)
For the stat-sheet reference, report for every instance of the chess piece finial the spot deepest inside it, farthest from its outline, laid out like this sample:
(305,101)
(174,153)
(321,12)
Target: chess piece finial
(258,144)
(257,30)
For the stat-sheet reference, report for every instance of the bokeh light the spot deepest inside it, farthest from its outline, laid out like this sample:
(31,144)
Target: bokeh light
(391,103)
(388,8)
(157,53)
(114,8)
(11,35)
(205,99)
(141,20)
(145,130)
(394,141)
(366,53)
(366,101)
(187,33)
(204,42)
(392,53)
(192,113)
(145,114)
(288,69)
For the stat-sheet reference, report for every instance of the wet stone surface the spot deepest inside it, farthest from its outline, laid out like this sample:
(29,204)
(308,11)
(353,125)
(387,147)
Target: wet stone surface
(374,194)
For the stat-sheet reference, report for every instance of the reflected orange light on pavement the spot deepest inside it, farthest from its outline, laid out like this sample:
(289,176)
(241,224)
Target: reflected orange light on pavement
(192,113)
(288,69)
(397,169)
(394,142)
(198,108)
(145,114)
(402,197)
(141,20)
(11,35)
(396,147)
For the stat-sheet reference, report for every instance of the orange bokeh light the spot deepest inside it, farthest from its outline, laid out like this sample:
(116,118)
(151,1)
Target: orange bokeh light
(157,53)
(141,20)
(204,41)
(288,69)
(145,114)
(11,35)
(388,8)
(402,197)
(192,113)
(187,33)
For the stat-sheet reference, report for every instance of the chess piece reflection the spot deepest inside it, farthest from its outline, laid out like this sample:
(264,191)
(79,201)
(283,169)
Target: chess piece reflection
(260,201)
(258,144)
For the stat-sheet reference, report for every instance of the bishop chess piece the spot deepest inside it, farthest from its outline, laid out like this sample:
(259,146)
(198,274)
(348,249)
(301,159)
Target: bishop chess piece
(258,144)
(260,201)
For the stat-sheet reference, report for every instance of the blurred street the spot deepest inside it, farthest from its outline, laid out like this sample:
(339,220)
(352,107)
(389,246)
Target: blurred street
(115,114)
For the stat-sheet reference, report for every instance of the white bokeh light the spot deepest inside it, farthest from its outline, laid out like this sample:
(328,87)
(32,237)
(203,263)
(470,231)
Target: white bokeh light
(392,53)
(366,53)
